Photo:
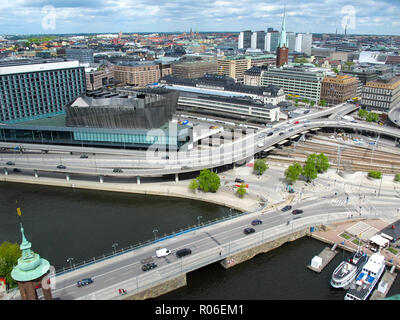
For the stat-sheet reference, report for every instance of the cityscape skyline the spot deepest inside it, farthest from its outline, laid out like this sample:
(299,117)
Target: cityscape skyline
(98,16)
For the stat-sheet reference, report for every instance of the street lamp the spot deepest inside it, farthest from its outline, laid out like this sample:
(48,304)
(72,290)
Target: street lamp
(70,261)
(198,219)
(155,234)
(114,245)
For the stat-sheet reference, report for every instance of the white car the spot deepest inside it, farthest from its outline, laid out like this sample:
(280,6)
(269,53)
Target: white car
(163,252)
(260,145)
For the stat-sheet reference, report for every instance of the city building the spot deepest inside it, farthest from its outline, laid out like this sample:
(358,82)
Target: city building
(272,41)
(339,89)
(262,60)
(304,43)
(298,81)
(291,41)
(381,94)
(97,78)
(252,77)
(35,88)
(83,55)
(244,39)
(258,40)
(194,69)
(282,52)
(234,67)
(224,86)
(140,74)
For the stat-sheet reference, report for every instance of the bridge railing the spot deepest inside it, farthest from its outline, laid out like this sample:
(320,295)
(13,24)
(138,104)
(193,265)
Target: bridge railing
(217,253)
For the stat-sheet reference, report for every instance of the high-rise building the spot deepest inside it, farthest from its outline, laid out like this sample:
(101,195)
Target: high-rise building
(291,41)
(272,41)
(304,43)
(194,69)
(258,40)
(83,55)
(244,40)
(282,52)
(339,89)
(35,88)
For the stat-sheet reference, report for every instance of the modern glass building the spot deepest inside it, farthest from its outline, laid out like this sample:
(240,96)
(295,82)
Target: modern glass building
(83,55)
(37,88)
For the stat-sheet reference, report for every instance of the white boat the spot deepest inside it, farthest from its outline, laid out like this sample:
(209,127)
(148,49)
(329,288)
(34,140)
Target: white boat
(367,278)
(347,270)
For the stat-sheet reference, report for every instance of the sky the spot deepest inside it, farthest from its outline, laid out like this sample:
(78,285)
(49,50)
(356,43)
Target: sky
(110,16)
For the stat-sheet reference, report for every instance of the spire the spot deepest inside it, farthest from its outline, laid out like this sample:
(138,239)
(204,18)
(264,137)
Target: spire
(283,40)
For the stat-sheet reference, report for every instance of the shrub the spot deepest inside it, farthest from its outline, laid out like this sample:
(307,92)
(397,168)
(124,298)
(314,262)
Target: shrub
(375,174)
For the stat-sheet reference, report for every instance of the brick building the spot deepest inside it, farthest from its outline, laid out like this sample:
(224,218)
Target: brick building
(339,89)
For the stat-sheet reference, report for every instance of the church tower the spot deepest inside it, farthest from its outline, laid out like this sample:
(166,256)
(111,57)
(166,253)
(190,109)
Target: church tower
(282,52)
(30,271)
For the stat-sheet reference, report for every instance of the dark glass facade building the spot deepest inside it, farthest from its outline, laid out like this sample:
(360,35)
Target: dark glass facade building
(34,89)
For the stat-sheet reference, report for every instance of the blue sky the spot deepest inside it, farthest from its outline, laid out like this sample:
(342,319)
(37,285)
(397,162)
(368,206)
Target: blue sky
(101,16)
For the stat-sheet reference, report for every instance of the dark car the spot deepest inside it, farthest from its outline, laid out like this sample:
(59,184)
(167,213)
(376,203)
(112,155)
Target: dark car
(10,163)
(84,282)
(237,180)
(16,170)
(84,156)
(270,134)
(60,166)
(281,133)
(248,230)
(297,211)
(117,170)
(256,222)
(286,208)
(149,266)
(291,129)
(183,252)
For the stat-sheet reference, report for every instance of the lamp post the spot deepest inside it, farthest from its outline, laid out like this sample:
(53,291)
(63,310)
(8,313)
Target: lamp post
(155,234)
(198,219)
(114,245)
(70,261)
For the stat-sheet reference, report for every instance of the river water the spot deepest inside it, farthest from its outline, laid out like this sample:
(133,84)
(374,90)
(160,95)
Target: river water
(82,224)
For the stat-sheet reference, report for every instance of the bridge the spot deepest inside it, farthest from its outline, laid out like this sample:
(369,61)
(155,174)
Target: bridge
(394,115)
(223,242)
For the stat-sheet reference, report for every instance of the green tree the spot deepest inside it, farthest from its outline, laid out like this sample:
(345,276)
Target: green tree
(260,166)
(9,255)
(362,113)
(322,163)
(293,172)
(372,117)
(310,170)
(375,174)
(241,191)
(208,181)
(193,185)
(397,177)
(322,103)
(312,103)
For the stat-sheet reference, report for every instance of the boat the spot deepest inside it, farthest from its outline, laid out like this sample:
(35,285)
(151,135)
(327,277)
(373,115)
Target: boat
(367,278)
(348,270)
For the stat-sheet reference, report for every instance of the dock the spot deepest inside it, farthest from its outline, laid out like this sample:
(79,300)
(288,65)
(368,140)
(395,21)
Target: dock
(384,285)
(319,262)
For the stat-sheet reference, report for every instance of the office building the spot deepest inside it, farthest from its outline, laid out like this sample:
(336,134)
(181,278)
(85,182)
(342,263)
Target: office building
(298,81)
(304,43)
(291,41)
(140,74)
(97,78)
(272,41)
(258,40)
(338,89)
(252,77)
(381,94)
(83,55)
(244,39)
(35,88)
(234,67)
(194,69)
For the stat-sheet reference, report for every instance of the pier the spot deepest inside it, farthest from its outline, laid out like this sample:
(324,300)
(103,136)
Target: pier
(384,285)
(319,262)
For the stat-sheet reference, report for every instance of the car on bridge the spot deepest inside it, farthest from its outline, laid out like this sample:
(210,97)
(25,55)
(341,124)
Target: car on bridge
(296,122)
(60,166)
(117,170)
(10,163)
(286,208)
(248,230)
(84,282)
(256,222)
(183,252)
(84,156)
(297,211)
(149,266)
(270,134)
(162,252)
(281,133)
